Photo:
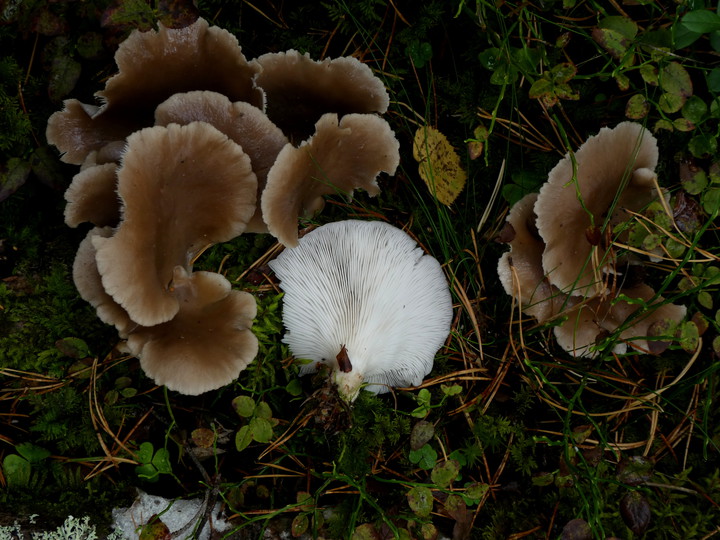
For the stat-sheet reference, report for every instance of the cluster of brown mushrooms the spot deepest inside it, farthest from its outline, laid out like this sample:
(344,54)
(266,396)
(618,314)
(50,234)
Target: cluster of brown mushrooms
(562,266)
(194,145)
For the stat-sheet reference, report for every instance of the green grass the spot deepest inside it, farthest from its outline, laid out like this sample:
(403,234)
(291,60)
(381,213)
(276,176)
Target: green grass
(509,436)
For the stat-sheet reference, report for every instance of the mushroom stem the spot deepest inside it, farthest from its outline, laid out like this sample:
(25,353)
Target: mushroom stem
(348,384)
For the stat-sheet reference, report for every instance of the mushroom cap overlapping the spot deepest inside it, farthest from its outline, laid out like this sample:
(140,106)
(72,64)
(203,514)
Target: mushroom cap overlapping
(368,286)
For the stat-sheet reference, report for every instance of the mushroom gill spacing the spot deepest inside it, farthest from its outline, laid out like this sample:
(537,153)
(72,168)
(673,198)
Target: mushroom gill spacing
(182,188)
(365,288)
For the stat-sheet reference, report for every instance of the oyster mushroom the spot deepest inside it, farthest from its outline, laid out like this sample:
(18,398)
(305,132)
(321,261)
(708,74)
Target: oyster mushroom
(152,66)
(339,158)
(245,124)
(182,188)
(207,343)
(362,297)
(585,195)
(300,90)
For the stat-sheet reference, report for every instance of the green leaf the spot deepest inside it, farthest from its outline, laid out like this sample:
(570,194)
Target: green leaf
(244,406)
(34,454)
(689,336)
(420,500)
(649,74)
(263,411)
(294,388)
(64,74)
(711,200)
(300,524)
(161,461)
(243,438)
(445,472)
(261,430)
(671,103)
(73,347)
(145,452)
(703,145)
(17,471)
(421,433)
(637,107)
(147,472)
(13,176)
(675,79)
(453,390)
(424,457)
(701,21)
(705,299)
(622,25)
(419,52)
(612,41)
(694,109)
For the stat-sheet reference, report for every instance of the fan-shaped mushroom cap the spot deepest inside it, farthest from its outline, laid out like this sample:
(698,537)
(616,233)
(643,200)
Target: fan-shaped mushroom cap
(368,286)
(91,197)
(245,124)
(182,188)
(299,90)
(589,320)
(614,167)
(89,284)
(337,159)
(520,269)
(153,66)
(207,344)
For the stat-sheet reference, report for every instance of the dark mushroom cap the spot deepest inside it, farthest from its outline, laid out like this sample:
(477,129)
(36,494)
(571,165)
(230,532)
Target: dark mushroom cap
(299,90)
(152,66)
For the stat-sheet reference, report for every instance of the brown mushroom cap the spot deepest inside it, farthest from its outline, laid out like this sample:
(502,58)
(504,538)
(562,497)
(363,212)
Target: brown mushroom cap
(299,90)
(614,172)
(520,269)
(245,124)
(91,197)
(338,158)
(182,188)
(89,284)
(207,344)
(587,321)
(153,66)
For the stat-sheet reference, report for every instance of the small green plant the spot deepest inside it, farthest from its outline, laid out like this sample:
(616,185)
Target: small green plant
(260,423)
(152,463)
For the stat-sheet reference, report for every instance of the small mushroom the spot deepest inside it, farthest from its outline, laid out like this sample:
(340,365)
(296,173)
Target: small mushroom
(589,320)
(92,197)
(339,158)
(245,124)
(152,66)
(362,297)
(299,90)
(585,195)
(182,188)
(89,284)
(520,269)
(208,342)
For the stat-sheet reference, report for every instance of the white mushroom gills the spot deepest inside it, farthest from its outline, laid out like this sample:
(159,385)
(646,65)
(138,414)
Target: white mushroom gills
(365,285)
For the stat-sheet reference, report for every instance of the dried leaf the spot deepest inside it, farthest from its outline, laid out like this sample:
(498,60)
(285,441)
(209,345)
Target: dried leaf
(421,433)
(576,529)
(439,164)
(420,500)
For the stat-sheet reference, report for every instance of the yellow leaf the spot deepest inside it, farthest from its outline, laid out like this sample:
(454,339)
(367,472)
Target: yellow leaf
(438,164)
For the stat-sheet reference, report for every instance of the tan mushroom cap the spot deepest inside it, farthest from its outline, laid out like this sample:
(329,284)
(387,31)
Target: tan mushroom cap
(208,342)
(299,90)
(589,320)
(520,269)
(153,66)
(91,197)
(182,188)
(613,167)
(245,124)
(89,284)
(338,158)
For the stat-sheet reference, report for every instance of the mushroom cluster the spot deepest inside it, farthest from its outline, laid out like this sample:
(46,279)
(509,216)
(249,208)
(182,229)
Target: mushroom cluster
(193,145)
(562,266)
(364,299)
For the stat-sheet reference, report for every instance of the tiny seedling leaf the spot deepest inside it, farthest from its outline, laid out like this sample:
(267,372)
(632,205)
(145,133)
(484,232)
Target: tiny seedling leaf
(261,429)
(161,461)
(243,438)
(244,406)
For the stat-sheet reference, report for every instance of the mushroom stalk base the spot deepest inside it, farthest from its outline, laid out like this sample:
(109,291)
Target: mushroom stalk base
(348,384)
